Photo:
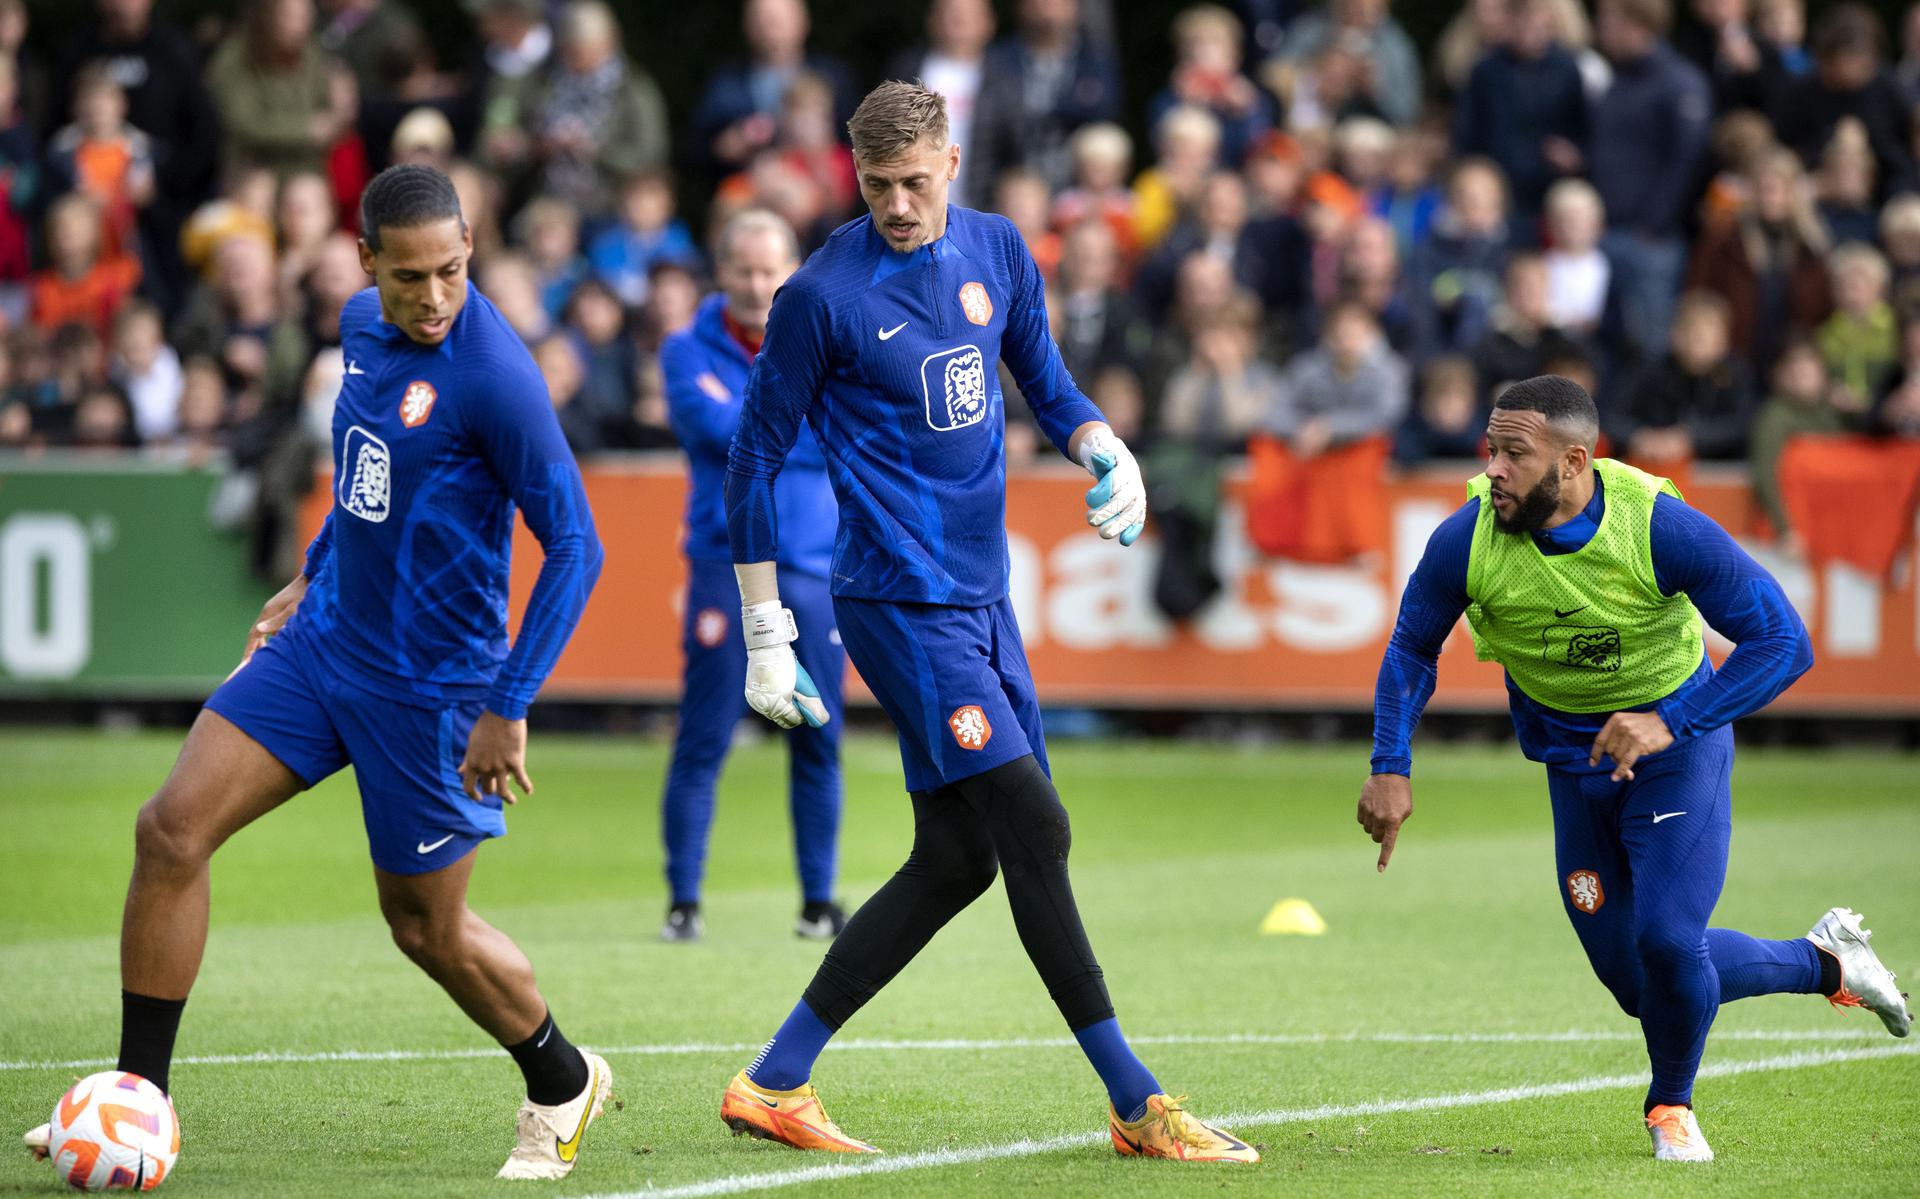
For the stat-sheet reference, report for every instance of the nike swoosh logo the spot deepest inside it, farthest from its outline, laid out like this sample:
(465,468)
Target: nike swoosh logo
(1131,1143)
(886,333)
(1559,615)
(353,369)
(1659,816)
(566,1149)
(423,847)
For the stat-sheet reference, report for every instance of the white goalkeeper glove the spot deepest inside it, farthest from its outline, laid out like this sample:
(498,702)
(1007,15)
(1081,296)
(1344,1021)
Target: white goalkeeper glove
(1117,503)
(778,687)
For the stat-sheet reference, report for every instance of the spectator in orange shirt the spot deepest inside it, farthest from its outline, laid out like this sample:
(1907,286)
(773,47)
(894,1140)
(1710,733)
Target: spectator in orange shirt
(83,285)
(104,156)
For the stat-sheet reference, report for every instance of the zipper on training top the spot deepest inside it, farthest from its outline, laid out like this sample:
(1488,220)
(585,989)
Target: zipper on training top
(933,291)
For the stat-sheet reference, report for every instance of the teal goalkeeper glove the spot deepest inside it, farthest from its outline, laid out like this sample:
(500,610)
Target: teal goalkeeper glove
(1117,502)
(778,687)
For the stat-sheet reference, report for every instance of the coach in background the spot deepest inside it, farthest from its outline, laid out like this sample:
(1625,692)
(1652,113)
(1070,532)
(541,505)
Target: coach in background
(706,367)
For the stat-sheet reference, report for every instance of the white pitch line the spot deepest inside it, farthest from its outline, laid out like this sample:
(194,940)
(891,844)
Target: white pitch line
(937,1158)
(857,1044)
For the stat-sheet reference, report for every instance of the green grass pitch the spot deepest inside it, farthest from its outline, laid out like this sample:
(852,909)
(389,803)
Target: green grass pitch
(1443,1037)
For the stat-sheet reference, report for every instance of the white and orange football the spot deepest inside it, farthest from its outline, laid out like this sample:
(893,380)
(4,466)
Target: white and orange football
(114,1132)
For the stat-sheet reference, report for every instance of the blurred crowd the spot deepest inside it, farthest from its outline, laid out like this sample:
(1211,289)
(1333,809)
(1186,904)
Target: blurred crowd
(1324,236)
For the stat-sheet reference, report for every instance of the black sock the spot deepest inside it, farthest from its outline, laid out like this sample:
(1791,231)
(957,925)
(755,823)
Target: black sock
(554,1068)
(147,1029)
(1830,979)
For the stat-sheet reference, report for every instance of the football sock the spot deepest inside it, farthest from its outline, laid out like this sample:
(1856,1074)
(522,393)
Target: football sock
(1129,1082)
(147,1029)
(1031,835)
(554,1069)
(787,1061)
(1750,966)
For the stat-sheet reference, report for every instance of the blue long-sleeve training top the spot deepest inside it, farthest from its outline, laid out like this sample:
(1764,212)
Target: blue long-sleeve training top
(434,446)
(706,368)
(1690,553)
(891,359)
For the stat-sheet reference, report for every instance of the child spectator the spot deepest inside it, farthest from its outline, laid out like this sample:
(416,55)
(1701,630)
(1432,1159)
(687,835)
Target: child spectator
(1578,273)
(549,229)
(81,284)
(103,156)
(559,362)
(203,407)
(1207,75)
(1116,392)
(1348,387)
(245,205)
(1798,403)
(1410,201)
(1363,149)
(102,420)
(810,143)
(673,296)
(306,219)
(1187,147)
(19,192)
(148,370)
(597,325)
(1274,177)
(1456,273)
(1860,341)
(1900,238)
(647,232)
(1898,412)
(1782,24)
(1102,155)
(1845,184)
(1695,400)
(1224,391)
(1449,420)
(1370,276)
(510,281)
(1023,197)
(1522,337)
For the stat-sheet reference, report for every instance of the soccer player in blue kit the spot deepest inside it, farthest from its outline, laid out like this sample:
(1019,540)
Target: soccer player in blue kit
(706,366)
(886,343)
(389,652)
(1587,580)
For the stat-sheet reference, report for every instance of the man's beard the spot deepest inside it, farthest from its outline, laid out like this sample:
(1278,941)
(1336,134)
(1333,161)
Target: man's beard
(1533,509)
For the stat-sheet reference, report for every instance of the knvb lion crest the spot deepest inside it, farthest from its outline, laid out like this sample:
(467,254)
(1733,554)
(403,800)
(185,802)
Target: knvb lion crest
(1583,888)
(417,405)
(970,727)
(959,377)
(1595,649)
(366,476)
(975,302)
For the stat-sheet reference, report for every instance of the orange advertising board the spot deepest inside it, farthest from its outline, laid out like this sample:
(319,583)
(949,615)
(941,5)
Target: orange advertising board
(1282,635)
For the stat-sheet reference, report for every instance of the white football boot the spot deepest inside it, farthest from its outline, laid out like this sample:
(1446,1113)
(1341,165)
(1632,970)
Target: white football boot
(549,1137)
(1864,982)
(1676,1135)
(38,1140)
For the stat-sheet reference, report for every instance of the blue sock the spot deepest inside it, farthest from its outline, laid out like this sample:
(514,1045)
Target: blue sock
(1129,1082)
(787,1061)
(1750,966)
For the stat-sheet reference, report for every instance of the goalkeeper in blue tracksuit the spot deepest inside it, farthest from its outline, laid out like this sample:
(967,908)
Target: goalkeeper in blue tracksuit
(705,367)
(886,344)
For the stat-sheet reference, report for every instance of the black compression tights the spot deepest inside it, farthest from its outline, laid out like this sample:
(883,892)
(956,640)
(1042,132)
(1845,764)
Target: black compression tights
(1010,817)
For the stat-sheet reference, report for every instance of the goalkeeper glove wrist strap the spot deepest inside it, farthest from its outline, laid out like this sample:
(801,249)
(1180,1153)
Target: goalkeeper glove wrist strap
(767,625)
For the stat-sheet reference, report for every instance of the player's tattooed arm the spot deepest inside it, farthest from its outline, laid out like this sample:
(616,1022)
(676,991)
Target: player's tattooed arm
(1386,800)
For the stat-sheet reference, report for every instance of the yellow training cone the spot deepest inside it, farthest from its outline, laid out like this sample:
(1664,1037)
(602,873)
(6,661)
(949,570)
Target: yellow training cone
(1293,916)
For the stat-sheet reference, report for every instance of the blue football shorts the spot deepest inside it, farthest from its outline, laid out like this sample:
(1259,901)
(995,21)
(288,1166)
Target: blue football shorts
(954,681)
(404,756)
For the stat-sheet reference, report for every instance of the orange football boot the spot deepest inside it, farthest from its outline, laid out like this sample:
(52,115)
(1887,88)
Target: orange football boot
(790,1117)
(1169,1130)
